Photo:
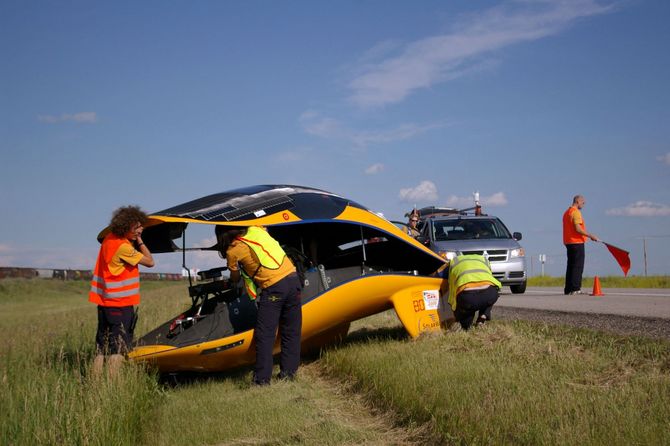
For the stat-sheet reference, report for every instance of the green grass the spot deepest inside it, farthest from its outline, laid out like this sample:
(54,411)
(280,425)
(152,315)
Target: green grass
(47,396)
(607,281)
(508,383)
(517,383)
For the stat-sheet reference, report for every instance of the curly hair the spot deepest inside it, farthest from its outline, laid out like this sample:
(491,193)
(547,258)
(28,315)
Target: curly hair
(124,218)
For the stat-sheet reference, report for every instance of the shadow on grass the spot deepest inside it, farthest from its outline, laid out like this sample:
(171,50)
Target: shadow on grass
(377,334)
(242,376)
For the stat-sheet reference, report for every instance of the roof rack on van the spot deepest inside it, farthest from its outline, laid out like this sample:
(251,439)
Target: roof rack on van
(434,211)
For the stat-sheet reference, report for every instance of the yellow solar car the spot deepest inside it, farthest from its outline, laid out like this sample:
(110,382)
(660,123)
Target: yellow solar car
(353,263)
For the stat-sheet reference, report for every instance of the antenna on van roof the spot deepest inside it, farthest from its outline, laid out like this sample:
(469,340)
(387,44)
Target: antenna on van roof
(478,207)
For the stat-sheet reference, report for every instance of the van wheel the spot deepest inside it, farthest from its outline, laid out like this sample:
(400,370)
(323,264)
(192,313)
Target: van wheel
(518,289)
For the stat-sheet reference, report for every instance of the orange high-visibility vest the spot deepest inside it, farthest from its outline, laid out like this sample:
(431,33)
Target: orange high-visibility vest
(107,289)
(570,235)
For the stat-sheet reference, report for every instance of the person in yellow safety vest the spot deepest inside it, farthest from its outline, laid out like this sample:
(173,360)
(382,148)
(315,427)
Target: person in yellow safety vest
(271,280)
(115,287)
(472,289)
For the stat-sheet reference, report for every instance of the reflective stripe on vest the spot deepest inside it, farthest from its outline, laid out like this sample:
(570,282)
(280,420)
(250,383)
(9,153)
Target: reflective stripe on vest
(468,269)
(105,288)
(268,251)
(110,290)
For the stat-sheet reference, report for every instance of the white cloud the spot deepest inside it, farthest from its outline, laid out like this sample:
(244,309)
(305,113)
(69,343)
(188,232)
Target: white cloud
(641,209)
(497,199)
(665,159)
(375,169)
(83,117)
(440,58)
(316,124)
(426,191)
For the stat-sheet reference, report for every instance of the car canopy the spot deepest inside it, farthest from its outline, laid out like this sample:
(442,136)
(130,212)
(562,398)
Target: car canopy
(333,230)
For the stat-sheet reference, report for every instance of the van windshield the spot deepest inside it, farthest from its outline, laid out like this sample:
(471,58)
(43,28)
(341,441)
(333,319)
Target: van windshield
(467,229)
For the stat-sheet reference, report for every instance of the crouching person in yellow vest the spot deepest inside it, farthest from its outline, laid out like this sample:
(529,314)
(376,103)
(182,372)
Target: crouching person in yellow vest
(115,287)
(472,289)
(271,280)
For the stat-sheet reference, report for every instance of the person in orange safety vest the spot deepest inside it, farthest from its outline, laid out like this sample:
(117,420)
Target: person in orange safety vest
(115,287)
(574,237)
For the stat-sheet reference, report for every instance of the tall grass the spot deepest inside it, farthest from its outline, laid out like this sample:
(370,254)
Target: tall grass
(508,383)
(518,383)
(607,281)
(48,397)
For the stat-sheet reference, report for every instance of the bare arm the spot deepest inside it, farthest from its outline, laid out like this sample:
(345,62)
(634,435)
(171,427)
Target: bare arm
(147,258)
(584,233)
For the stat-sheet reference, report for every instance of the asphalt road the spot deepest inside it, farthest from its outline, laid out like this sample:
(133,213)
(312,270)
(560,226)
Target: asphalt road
(638,302)
(625,311)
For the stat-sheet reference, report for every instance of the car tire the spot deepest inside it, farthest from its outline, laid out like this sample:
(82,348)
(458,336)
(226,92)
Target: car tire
(518,289)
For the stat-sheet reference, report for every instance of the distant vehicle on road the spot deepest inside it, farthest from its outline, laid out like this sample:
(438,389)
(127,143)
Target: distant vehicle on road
(450,232)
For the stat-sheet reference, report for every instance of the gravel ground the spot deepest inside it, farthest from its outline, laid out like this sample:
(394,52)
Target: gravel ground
(625,325)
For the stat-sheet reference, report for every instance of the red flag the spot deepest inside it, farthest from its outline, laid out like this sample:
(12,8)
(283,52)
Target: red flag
(621,257)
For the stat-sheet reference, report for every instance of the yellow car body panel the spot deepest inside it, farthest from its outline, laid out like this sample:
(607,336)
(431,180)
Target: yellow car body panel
(348,302)
(354,264)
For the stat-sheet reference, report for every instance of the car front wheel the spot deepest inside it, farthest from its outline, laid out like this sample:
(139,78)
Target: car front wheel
(518,289)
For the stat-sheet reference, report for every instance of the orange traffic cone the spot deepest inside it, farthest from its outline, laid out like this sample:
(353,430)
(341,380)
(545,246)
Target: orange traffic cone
(596,287)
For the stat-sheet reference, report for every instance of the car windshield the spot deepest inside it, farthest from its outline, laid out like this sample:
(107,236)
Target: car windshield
(467,229)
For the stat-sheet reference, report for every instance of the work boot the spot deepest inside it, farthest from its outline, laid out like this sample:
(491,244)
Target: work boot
(284,376)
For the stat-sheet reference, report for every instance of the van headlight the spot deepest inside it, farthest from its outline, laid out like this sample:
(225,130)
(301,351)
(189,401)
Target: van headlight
(517,253)
(447,254)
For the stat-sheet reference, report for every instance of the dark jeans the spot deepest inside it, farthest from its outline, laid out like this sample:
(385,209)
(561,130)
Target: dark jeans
(575,268)
(278,306)
(115,330)
(468,302)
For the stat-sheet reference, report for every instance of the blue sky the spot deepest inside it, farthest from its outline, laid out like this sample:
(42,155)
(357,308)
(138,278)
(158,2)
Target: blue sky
(392,104)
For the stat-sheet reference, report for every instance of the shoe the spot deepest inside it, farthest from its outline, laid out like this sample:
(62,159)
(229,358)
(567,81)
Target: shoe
(572,293)
(286,376)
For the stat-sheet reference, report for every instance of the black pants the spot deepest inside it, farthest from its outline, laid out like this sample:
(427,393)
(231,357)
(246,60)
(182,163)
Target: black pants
(575,268)
(468,302)
(115,330)
(278,306)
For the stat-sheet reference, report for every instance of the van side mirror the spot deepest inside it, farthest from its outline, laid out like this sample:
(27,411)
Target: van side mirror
(421,239)
(516,236)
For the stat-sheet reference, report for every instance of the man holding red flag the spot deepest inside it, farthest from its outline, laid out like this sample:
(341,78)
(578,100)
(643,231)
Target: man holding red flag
(574,237)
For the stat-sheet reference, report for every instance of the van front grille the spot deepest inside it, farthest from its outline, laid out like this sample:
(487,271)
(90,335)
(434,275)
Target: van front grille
(494,255)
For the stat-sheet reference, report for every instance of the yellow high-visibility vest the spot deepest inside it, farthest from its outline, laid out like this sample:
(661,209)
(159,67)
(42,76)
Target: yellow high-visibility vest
(270,255)
(467,269)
